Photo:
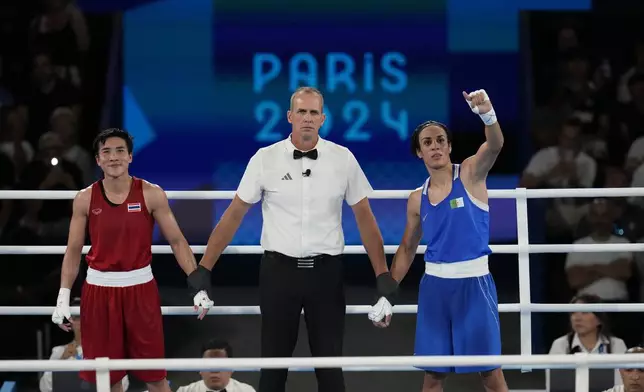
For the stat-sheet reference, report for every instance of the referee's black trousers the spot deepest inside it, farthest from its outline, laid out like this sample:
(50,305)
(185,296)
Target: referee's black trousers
(286,287)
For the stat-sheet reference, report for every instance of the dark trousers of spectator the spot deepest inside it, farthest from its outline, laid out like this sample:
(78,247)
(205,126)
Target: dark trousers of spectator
(288,285)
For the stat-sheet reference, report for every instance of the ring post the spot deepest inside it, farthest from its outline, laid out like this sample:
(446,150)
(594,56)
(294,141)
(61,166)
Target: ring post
(103,375)
(523,241)
(582,373)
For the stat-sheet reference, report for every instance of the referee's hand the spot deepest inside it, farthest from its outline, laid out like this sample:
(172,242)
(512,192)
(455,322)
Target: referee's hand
(380,314)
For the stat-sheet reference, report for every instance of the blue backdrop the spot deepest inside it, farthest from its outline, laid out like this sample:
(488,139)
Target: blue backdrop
(208,83)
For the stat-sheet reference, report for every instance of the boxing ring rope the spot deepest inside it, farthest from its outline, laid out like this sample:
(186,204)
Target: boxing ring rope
(582,362)
(523,249)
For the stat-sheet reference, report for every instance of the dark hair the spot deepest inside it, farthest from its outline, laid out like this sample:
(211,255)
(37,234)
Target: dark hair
(415,142)
(603,329)
(113,132)
(217,344)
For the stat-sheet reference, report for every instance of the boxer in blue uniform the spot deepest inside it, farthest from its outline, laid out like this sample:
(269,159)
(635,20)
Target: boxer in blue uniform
(457,301)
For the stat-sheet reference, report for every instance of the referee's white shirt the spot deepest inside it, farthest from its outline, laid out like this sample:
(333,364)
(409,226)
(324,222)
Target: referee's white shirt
(303,215)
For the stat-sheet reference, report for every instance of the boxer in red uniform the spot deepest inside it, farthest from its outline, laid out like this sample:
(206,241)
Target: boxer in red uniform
(120,305)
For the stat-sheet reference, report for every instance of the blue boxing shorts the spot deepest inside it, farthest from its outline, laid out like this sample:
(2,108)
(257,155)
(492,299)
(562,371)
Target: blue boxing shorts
(458,316)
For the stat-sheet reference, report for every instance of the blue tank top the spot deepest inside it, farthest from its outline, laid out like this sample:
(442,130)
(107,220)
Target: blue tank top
(458,228)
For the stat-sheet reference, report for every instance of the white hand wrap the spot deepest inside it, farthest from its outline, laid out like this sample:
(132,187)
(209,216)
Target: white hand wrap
(380,310)
(488,118)
(62,310)
(202,301)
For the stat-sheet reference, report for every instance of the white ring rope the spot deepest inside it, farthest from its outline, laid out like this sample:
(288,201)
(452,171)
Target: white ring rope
(579,361)
(350,309)
(377,194)
(185,364)
(349,249)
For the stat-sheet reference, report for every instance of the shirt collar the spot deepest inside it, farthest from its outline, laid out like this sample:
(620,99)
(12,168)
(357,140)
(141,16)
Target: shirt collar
(290,147)
(205,387)
(603,340)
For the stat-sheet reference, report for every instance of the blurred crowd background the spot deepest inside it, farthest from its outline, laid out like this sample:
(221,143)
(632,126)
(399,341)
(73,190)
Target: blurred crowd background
(583,75)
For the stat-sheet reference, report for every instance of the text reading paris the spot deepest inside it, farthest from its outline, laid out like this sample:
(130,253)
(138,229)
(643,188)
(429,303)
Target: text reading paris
(339,72)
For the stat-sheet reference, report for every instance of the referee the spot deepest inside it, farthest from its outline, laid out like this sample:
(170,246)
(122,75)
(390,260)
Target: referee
(302,182)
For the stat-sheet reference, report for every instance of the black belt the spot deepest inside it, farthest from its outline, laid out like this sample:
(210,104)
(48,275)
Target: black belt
(300,262)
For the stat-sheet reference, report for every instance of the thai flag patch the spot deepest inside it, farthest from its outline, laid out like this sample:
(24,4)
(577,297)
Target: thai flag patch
(133,207)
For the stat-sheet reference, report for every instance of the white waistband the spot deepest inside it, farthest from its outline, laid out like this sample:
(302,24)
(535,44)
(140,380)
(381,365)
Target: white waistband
(460,269)
(118,278)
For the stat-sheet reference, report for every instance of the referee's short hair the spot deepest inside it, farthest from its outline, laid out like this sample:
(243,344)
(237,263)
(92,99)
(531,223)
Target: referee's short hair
(307,90)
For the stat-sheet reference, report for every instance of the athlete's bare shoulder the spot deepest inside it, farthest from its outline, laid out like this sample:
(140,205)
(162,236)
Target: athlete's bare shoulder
(82,200)
(413,203)
(154,196)
(150,187)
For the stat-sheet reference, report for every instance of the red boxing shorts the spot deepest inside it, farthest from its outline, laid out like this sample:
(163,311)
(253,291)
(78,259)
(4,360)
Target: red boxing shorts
(121,319)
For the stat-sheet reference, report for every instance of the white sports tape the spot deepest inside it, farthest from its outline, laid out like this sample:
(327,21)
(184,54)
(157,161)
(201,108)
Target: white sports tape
(488,118)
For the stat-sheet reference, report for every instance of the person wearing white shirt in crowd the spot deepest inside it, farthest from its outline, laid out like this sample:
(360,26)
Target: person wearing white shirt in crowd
(302,182)
(72,350)
(63,122)
(603,274)
(562,166)
(217,381)
(633,379)
(635,156)
(590,334)
(14,143)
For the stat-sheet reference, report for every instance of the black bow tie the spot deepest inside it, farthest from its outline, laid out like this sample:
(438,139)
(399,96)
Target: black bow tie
(313,154)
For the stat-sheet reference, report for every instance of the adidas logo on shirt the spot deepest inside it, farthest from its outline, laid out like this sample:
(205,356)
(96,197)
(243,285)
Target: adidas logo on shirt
(287,177)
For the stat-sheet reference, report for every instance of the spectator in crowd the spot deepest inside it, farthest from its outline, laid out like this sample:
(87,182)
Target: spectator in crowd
(562,166)
(635,156)
(217,381)
(590,333)
(63,123)
(628,218)
(623,90)
(70,351)
(13,142)
(603,274)
(48,220)
(62,30)
(48,91)
(632,379)
(631,115)
(577,89)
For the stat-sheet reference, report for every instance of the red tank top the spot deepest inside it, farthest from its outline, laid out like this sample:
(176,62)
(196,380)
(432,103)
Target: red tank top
(120,234)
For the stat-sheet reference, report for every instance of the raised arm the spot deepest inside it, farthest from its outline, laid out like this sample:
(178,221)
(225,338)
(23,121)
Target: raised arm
(479,165)
(411,238)
(71,260)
